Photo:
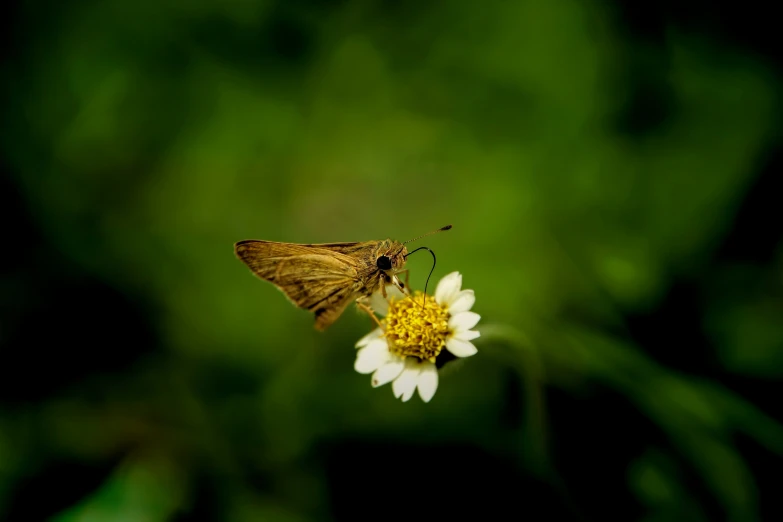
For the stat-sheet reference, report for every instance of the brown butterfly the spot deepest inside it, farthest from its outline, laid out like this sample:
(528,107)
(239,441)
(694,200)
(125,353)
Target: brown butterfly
(326,278)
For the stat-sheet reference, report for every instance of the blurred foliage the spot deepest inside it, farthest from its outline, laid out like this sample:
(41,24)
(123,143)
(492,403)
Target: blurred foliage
(595,179)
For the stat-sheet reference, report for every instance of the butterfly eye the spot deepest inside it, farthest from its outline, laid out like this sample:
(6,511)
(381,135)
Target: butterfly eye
(384,263)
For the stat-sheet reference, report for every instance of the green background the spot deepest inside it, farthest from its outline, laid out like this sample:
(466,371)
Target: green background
(590,174)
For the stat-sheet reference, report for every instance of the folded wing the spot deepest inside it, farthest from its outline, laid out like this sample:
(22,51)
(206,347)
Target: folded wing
(313,278)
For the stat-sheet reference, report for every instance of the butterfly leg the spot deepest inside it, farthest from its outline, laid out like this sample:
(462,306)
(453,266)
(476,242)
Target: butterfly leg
(396,282)
(364,306)
(404,287)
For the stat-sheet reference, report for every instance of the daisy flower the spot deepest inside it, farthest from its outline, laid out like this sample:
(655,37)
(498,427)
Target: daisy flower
(409,349)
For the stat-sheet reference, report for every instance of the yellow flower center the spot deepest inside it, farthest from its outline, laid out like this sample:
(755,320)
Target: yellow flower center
(415,328)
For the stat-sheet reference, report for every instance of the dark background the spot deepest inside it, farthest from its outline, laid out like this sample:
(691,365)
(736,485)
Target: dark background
(610,169)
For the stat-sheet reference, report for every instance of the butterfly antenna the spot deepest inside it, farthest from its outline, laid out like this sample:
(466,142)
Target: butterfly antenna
(441,229)
(434,261)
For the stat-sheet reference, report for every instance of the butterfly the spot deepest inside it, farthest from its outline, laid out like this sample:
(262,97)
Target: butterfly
(325,278)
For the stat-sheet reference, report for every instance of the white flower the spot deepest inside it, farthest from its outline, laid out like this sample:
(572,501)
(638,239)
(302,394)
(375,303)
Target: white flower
(414,334)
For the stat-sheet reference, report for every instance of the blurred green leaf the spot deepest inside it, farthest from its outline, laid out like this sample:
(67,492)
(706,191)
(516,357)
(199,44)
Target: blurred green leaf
(141,489)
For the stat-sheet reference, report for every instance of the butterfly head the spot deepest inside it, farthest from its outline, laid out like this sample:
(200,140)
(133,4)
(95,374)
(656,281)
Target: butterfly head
(392,257)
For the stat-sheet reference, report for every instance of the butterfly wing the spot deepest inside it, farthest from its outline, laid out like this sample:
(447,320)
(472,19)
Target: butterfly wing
(313,278)
(348,249)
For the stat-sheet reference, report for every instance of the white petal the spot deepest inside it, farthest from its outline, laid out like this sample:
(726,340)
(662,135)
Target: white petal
(379,305)
(371,357)
(365,365)
(388,372)
(463,321)
(467,335)
(462,302)
(448,287)
(364,341)
(408,394)
(428,382)
(460,348)
(376,345)
(405,384)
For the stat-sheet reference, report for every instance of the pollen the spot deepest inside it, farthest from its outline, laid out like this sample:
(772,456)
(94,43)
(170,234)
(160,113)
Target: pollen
(416,327)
